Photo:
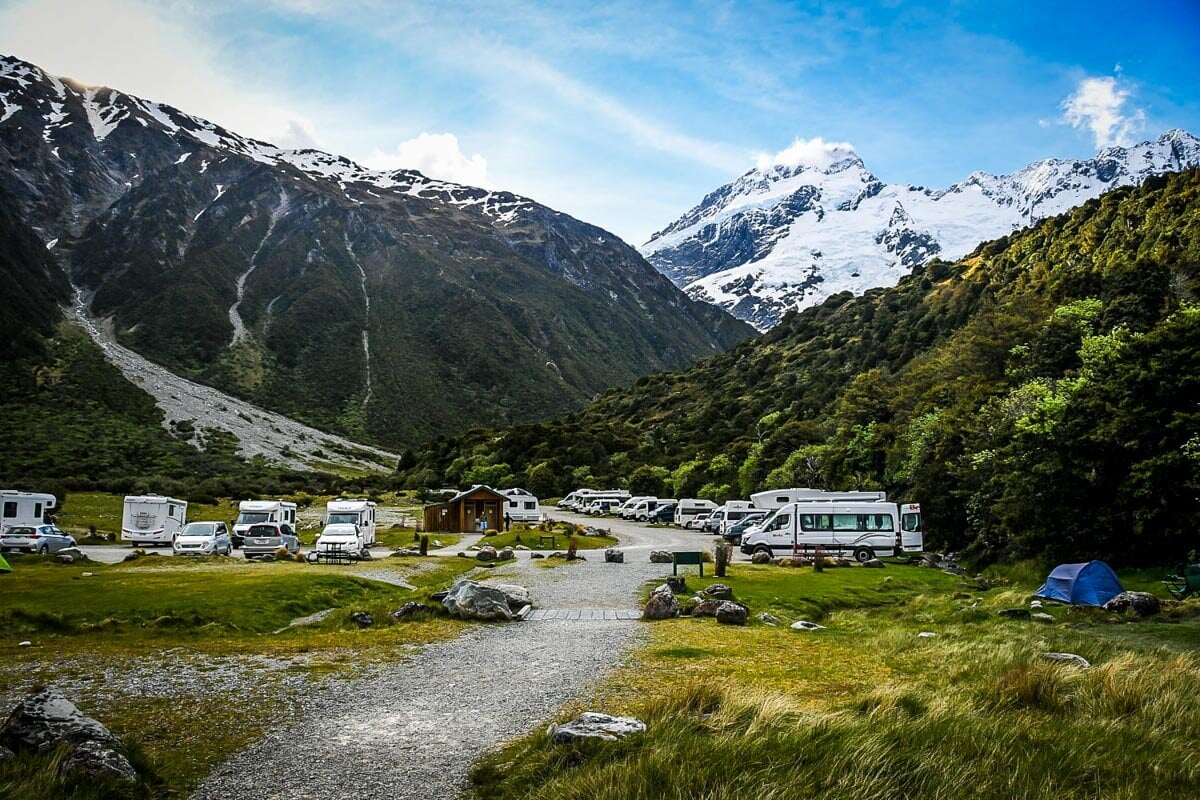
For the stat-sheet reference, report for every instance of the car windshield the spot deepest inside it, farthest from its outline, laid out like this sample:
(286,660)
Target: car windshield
(250,517)
(199,529)
(344,518)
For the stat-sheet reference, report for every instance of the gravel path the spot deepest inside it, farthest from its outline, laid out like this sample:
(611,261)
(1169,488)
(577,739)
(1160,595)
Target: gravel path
(412,729)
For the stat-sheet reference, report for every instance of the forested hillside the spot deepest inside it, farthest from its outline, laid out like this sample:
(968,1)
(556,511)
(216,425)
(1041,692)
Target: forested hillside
(1040,397)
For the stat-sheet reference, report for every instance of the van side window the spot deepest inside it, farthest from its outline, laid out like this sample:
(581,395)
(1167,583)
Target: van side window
(170,511)
(782,499)
(10,509)
(37,510)
(780,522)
(815,522)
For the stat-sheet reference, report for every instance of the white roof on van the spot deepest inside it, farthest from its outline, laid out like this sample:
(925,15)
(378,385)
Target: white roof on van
(153,499)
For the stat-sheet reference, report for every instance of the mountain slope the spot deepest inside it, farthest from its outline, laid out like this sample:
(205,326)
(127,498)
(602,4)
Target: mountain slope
(384,305)
(788,236)
(1038,397)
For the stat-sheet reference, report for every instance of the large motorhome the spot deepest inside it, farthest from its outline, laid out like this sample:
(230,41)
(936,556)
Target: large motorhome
(522,506)
(152,519)
(353,512)
(256,512)
(690,507)
(778,498)
(25,508)
(862,530)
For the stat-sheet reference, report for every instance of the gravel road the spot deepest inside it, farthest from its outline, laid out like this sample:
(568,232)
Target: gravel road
(412,729)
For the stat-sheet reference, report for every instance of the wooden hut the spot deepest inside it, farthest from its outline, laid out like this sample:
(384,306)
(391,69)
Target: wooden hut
(461,513)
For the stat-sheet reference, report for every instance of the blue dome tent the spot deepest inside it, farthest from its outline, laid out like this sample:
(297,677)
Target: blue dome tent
(1090,584)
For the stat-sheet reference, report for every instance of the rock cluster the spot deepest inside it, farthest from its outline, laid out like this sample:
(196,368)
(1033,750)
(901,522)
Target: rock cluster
(46,718)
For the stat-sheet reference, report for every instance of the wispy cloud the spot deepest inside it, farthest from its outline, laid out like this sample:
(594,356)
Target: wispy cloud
(436,155)
(1101,105)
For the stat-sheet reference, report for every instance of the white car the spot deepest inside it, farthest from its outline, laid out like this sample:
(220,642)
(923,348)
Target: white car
(342,536)
(203,539)
(697,522)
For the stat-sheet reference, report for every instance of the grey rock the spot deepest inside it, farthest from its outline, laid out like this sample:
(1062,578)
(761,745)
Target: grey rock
(1067,658)
(411,609)
(470,600)
(1014,613)
(536,555)
(96,760)
(874,563)
(719,591)
(44,718)
(706,608)
(506,554)
(461,554)
(405,551)
(926,635)
(592,725)
(661,557)
(486,553)
(760,558)
(1042,616)
(74,552)
(677,584)
(1143,604)
(768,619)
(520,547)
(65,558)
(132,556)
(731,613)
(805,625)
(517,595)
(362,619)
(612,556)
(661,605)
(6,754)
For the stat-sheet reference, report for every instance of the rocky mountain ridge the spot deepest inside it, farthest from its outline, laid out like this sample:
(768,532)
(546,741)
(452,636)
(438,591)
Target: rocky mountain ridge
(786,237)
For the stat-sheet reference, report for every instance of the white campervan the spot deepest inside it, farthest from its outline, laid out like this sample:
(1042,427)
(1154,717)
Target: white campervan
(689,508)
(353,512)
(643,509)
(522,506)
(25,508)
(152,519)
(256,512)
(625,510)
(778,498)
(862,530)
(726,515)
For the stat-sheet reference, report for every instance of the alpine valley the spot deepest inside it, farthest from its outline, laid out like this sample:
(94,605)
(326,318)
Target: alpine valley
(788,235)
(382,305)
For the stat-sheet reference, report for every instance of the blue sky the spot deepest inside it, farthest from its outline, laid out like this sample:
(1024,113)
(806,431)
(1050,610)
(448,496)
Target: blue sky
(626,114)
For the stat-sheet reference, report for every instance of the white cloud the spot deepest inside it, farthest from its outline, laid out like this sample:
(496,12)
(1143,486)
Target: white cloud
(159,51)
(1099,105)
(436,155)
(816,153)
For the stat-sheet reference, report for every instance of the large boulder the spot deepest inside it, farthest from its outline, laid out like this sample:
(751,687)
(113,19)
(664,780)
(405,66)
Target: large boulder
(44,718)
(470,600)
(1143,604)
(761,557)
(592,725)
(96,760)
(661,557)
(518,596)
(731,613)
(662,604)
(612,556)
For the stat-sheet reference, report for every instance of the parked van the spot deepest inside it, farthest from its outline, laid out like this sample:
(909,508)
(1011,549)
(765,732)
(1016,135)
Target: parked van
(580,498)
(599,506)
(522,506)
(152,519)
(645,509)
(253,512)
(690,507)
(728,514)
(353,512)
(25,508)
(861,530)
(778,498)
(626,509)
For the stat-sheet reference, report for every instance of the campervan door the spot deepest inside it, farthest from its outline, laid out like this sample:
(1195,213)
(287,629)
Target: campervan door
(25,508)
(859,530)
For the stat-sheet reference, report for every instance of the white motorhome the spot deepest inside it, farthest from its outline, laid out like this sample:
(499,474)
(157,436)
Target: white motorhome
(581,498)
(25,508)
(862,530)
(353,512)
(625,510)
(726,515)
(642,509)
(254,512)
(522,506)
(690,507)
(152,519)
(602,504)
(778,498)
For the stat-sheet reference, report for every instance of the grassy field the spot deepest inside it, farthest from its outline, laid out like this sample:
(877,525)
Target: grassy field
(187,627)
(868,709)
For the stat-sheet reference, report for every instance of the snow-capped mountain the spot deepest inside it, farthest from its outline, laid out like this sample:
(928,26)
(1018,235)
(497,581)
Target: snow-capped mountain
(785,237)
(383,304)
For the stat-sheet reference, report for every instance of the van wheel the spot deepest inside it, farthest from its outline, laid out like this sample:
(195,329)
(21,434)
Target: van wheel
(863,554)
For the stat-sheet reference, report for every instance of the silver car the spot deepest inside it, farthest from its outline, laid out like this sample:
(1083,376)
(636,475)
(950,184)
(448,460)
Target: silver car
(203,539)
(35,539)
(264,538)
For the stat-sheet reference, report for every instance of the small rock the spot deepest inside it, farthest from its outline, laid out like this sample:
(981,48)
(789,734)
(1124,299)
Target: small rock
(461,554)
(132,556)
(65,558)
(1067,658)
(437,543)
(874,563)
(6,754)
(731,613)
(677,584)
(661,605)
(487,553)
(612,556)
(86,574)
(768,619)
(661,557)
(25,643)
(265,559)
(719,591)
(805,625)
(761,557)
(1042,616)
(1035,604)
(362,619)
(1143,604)
(926,635)
(506,554)
(412,608)
(591,725)
(536,555)
(520,547)
(405,551)
(1014,613)
(96,760)
(473,547)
